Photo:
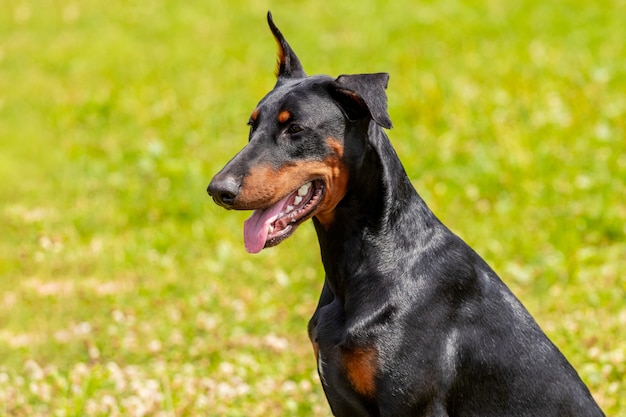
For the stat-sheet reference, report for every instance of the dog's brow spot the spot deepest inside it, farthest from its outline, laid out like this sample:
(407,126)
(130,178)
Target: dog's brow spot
(283,116)
(255,115)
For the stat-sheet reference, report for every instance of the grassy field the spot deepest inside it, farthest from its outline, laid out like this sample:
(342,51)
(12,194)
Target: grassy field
(124,291)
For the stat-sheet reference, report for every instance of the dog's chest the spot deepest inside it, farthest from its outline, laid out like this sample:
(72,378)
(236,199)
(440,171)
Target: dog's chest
(348,370)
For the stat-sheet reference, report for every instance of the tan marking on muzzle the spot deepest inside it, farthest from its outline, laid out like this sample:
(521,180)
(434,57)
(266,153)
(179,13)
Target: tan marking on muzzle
(336,182)
(264,186)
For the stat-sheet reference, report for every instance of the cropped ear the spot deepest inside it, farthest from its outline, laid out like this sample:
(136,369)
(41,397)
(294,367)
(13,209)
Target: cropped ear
(289,65)
(362,95)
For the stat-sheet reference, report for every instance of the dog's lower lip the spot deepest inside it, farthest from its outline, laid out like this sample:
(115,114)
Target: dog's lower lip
(293,216)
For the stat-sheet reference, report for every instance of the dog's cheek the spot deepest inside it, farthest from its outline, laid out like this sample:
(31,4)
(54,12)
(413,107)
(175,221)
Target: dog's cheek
(336,181)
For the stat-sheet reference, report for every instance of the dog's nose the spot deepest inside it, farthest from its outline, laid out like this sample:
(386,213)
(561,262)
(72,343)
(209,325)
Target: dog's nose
(224,190)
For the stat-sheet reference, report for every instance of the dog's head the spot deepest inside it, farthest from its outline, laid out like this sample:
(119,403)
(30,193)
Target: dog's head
(297,161)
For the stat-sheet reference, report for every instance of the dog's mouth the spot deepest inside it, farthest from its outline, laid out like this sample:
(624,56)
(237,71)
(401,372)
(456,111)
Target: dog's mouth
(270,226)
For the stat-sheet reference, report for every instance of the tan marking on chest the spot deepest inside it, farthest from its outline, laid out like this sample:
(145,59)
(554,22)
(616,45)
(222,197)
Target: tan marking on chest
(361,366)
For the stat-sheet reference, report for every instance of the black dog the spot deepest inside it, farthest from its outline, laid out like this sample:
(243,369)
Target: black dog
(411,321)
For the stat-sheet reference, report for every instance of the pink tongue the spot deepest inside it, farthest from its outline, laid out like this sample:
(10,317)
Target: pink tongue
(255,229)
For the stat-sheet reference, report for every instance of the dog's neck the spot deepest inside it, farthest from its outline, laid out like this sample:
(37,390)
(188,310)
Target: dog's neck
(379,200)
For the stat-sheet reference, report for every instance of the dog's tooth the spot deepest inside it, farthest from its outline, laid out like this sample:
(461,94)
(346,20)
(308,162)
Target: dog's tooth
(270,229)
(302,191)
(297,200)
(289,208)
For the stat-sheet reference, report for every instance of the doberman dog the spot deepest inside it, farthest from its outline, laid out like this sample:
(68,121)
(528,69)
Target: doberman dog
(410,321)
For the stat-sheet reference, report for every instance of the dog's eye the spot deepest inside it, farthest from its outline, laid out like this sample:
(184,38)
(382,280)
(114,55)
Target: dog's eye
(294,128)
(252,123)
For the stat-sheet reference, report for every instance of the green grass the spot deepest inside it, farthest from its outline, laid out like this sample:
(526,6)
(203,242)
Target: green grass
(125,291)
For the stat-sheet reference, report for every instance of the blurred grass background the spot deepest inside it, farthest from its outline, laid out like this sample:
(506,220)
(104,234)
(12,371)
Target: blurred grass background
(125,291)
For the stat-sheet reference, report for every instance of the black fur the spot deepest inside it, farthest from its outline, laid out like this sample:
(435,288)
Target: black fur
(446,335)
